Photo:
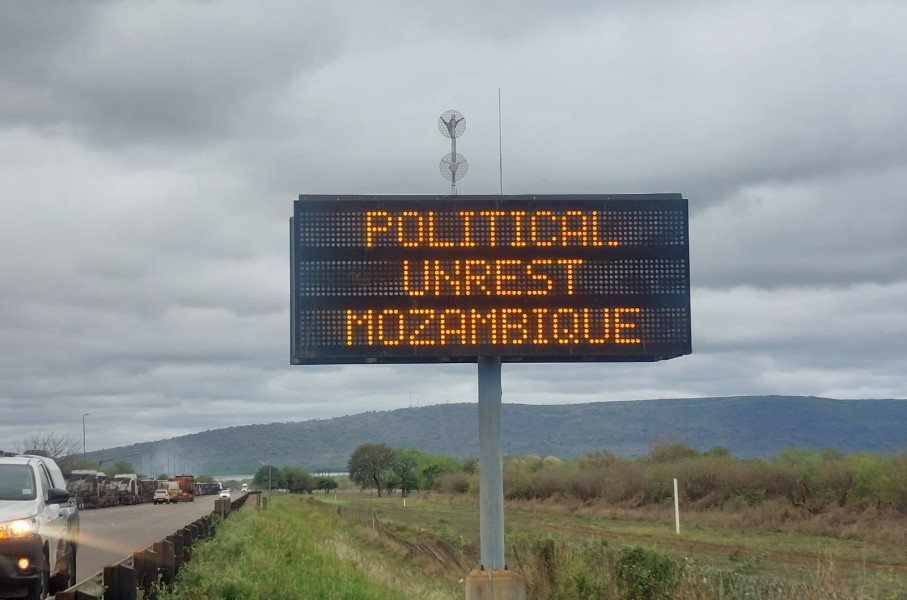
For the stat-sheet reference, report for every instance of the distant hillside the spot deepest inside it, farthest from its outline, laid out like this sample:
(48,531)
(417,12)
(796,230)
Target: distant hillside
(748,426)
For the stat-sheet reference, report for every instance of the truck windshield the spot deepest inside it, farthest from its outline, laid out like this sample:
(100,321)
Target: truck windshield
(17,482)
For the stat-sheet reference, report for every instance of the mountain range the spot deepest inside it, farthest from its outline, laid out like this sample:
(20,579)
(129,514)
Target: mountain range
(747,426)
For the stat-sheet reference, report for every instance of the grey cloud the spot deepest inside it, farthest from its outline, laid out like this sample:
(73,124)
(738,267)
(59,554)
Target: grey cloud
(838,231)
(162,73)
(150,154)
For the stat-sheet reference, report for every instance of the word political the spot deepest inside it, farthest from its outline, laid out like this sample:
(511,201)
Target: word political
(540,229)
(421,279)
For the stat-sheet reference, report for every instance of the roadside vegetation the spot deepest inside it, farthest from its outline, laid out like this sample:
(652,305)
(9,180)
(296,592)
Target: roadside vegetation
(810,525)
(290,551)
(800,482)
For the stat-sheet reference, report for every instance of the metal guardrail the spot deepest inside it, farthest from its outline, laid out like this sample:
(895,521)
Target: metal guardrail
(143,573)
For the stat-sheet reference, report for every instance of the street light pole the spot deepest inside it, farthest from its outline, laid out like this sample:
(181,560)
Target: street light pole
(83,434)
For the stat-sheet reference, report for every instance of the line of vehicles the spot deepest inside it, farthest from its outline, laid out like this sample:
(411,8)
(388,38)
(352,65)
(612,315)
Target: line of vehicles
(39,517)
(96,489)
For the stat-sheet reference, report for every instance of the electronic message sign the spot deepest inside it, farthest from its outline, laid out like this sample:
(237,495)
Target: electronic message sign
(409,279)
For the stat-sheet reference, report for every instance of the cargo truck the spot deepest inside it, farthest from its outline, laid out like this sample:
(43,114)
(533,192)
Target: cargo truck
(186,487)
(92,489)
(131,489)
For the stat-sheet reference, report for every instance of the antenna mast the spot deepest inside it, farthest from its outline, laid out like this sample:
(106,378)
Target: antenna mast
(453,166)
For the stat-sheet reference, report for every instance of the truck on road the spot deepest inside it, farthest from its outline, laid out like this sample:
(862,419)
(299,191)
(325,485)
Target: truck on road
(131,489)
(92,489)
(186,486)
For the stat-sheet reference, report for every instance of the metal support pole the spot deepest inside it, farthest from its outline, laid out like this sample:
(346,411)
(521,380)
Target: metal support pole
(83,434)
(453,161)
(491,464)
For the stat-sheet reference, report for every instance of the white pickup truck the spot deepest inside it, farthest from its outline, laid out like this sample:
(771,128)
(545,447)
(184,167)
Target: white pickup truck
(39,528)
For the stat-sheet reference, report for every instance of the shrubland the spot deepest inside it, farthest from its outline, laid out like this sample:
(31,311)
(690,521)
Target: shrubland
(801,480)
(797,480)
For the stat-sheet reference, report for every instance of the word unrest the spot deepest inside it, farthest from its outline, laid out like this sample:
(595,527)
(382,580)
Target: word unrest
(477,277)
(485,228)
(496,326)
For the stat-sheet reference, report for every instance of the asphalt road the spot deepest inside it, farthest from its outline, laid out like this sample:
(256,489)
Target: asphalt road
(109,535)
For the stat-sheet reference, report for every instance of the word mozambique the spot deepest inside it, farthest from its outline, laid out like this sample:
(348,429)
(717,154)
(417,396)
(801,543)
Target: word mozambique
(497,326)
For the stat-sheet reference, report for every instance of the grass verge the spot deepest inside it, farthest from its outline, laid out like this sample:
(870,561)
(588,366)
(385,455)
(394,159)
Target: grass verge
(290,551)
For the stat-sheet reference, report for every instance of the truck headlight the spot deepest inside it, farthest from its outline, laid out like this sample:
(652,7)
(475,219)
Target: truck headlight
(18,528)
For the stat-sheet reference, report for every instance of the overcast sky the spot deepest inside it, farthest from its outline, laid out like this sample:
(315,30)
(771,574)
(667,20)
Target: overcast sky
(150,154)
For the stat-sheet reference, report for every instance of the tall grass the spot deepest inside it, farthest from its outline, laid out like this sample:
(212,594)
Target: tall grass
(576,555)
(290,552)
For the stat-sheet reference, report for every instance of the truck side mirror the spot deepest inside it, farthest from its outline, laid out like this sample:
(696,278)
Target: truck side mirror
(57,496)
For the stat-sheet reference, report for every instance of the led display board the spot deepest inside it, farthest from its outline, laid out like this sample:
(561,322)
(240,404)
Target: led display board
(409,279)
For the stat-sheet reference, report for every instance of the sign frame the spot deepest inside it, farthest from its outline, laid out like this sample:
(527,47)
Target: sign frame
(648,232)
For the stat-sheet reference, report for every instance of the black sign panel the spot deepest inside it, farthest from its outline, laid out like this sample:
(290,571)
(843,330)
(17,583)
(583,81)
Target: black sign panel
(408,279)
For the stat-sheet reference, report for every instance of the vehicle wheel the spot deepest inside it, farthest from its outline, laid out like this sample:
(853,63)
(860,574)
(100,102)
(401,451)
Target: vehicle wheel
(66,580)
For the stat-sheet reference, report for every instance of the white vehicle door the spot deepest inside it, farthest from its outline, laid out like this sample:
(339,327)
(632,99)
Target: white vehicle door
(53,522)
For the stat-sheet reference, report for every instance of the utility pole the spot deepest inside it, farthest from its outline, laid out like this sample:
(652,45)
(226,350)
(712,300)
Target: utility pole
(83,433)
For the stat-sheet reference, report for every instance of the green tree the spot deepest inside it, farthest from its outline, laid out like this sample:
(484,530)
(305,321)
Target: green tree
(877,481)
(370,466)
(268,476)
(802,467)
(326,483)
(403,465)
(296,480)
(435,466)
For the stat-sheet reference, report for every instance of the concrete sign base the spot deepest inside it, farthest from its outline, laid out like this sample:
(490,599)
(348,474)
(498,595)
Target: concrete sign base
(495,585)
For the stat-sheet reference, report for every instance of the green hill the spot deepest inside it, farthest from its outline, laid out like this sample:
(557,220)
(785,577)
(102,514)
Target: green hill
(748,426)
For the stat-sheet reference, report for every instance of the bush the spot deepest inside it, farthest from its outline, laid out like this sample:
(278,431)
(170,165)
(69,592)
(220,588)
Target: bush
(550,483)
(517,484)
(598,460)
(644,574)
(670,452)
(628,484)
(588,484)
(452,483)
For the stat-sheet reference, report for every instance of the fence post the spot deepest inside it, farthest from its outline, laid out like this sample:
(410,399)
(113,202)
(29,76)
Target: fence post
(145,563)
(201,526)
(222,507)
(186,534)
(178,557)
(120,583)
(166,561)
